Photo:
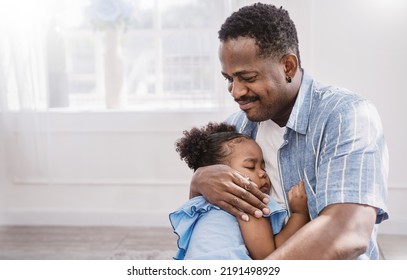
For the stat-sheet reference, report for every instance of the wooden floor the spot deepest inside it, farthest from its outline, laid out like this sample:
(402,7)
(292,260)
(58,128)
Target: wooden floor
(101,243)
(393,247)
(85,243)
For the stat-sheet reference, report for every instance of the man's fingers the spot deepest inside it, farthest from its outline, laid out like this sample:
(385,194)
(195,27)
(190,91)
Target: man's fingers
(234,211)
(247,185)
(251,188)
(243,206)
(253,200)
(235,205)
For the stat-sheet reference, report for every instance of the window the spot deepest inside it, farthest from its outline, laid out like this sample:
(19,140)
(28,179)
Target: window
(163,57)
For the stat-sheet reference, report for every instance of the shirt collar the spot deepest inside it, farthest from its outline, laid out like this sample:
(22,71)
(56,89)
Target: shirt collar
(299,116)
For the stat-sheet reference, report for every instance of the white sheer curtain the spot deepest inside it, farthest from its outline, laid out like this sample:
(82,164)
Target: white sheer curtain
(23,87)
(37,66)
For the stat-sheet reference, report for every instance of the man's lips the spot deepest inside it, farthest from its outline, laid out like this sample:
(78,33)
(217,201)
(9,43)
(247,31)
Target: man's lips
(246,103)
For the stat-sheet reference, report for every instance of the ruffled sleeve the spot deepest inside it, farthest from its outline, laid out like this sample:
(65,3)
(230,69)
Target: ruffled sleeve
(183,221)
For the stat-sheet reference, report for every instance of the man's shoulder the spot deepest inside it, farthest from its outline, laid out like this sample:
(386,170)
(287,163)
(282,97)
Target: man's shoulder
(333,99)
(333,106)
(317,102)
(335,94)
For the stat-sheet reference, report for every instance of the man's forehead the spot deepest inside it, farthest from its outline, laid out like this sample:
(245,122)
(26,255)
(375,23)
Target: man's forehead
(239,58)
(239,44)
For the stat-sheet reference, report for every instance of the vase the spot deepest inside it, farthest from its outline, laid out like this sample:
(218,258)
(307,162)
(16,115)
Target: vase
(58,88)
(113,68)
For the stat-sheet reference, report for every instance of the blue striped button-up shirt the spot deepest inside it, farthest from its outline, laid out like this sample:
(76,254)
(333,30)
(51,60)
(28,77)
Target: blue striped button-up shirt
(334,142)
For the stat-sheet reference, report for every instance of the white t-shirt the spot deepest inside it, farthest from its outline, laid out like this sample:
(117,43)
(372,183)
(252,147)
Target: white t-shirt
(270,138)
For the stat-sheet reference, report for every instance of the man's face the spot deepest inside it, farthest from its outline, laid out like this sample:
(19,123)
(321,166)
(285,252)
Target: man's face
(256,83)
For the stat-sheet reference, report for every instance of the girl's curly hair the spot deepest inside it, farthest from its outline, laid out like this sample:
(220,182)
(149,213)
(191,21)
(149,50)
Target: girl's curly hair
(205,146)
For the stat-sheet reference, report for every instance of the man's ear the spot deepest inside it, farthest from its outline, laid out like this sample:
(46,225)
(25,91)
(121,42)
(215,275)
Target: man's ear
(290,64)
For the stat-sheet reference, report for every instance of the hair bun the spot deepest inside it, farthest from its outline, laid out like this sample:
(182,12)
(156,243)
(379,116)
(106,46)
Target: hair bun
(193,147)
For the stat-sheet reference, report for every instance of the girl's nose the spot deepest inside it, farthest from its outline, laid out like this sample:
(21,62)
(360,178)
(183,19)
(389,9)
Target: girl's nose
(262,173)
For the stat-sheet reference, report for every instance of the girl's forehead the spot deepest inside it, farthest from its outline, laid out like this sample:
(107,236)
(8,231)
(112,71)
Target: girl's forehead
(246,144)
(242,140)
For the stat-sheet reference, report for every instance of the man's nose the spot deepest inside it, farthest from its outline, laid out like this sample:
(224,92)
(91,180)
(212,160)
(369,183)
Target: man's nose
(237,89)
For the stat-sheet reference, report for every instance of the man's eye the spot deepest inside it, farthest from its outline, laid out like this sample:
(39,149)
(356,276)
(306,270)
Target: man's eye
(230,80)
(249,79)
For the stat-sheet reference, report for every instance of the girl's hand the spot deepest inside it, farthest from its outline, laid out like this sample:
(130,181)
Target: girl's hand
(297,199)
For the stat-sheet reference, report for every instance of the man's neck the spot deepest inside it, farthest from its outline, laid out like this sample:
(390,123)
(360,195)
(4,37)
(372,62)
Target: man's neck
(295,87)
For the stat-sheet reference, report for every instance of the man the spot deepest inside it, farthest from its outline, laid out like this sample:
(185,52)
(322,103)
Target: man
(328,137)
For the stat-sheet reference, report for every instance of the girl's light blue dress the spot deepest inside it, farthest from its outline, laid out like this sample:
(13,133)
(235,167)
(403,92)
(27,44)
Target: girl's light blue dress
(207,232)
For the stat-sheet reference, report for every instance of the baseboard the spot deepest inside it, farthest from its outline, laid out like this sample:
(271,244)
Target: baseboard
(139,219)
(397,222)
(398,227)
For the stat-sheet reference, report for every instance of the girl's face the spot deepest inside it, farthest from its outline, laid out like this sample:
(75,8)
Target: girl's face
(247,158)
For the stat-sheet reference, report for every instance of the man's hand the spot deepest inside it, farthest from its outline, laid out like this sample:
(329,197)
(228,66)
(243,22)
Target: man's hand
(223,186)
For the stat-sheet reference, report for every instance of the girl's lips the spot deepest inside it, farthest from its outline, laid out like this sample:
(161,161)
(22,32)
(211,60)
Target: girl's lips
(265,188)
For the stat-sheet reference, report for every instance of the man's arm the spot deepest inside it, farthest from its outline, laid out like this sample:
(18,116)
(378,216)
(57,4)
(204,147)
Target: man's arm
(341,231)
(228,189)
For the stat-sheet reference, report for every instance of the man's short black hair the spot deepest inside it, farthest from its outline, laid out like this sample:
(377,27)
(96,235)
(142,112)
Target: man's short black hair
(271,27)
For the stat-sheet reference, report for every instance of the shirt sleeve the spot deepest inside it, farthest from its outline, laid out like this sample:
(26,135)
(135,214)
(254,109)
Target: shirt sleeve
(353,163)
(277,215)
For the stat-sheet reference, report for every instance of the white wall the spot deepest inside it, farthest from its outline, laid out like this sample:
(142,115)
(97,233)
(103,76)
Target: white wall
(4,184)
(113,168)
(359,44)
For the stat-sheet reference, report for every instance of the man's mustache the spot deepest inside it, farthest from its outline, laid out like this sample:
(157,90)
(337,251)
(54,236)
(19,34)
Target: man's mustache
(246,99)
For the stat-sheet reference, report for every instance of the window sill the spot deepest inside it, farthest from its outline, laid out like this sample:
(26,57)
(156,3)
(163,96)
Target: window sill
(62,120)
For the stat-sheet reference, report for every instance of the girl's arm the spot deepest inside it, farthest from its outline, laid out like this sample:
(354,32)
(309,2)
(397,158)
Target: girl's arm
(258,233)
(258,237)
(297,199)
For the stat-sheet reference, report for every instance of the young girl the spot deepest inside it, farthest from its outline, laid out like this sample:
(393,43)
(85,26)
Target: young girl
(207,232)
